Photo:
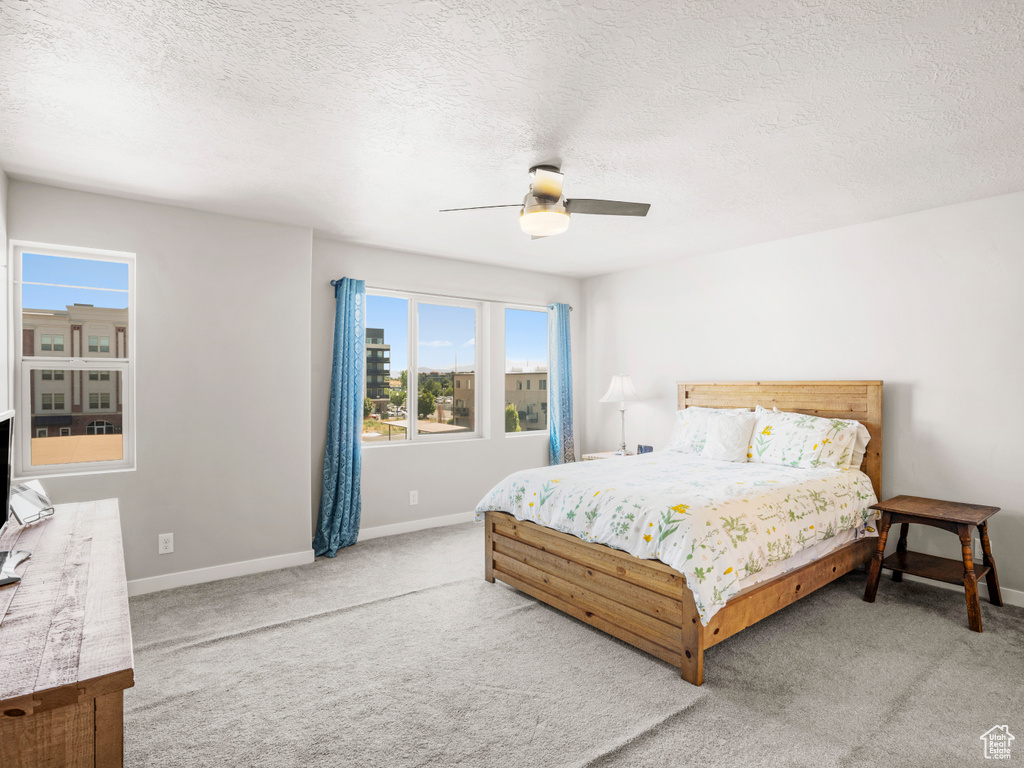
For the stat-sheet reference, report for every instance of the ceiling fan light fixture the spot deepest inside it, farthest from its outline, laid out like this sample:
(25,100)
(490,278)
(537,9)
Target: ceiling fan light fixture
(544,223)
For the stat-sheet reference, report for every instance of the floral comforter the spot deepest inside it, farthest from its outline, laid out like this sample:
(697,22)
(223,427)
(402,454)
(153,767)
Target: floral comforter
(716,522)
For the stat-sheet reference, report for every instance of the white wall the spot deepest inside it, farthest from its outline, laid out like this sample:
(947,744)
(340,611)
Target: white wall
(4,377)
(451,477)
(222,376)
(929,302)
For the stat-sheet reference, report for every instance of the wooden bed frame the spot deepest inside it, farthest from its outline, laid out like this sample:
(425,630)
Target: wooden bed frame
(645,602)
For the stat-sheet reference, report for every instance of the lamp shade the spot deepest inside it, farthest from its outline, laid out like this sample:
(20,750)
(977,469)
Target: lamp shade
(620,390)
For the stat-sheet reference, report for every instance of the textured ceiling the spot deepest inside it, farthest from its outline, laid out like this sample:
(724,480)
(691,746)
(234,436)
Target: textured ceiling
(740,122)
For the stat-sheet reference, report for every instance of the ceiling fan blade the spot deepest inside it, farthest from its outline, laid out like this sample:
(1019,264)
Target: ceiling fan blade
(538,237)
(481,207)
(606,207)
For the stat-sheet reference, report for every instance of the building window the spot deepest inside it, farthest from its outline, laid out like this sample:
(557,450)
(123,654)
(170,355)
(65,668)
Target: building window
(51,401)
(526,364)
(41,432)
(99,343)
(69,305)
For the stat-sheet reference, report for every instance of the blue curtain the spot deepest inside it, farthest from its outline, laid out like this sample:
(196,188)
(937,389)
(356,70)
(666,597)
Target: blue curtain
(340,503)
(562,448)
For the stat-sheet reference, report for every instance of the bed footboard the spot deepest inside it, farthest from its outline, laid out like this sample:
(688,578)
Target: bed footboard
(642,602)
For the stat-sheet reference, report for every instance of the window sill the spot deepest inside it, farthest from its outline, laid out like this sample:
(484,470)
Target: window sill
(21,478)
(528,433)
(422,441)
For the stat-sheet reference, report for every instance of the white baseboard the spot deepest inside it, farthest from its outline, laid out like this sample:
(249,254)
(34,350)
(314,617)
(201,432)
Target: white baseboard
(218,572)
(415,525)
(1010,596)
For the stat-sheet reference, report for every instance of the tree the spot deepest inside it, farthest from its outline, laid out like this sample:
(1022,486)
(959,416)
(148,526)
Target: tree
(367,407)
(398,397)
(512,419)
(405,380)
(425,403)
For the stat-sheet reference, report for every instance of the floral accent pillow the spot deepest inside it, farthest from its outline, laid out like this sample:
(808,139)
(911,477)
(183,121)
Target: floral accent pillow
(800,440)
(690,432)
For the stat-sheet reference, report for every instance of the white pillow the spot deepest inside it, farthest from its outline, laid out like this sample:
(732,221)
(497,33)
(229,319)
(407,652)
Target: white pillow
(689,433)
(800,440)
(860,445)
(728,435)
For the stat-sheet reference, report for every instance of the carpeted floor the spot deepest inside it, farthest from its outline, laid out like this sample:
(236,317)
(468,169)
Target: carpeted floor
(398,653)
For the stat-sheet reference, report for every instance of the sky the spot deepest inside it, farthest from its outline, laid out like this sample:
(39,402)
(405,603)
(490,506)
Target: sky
(89,273)
(449,332)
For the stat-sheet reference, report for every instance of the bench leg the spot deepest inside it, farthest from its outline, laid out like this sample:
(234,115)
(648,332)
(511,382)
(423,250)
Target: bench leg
(994,595)
(875,570)
(970,579)
(901,546)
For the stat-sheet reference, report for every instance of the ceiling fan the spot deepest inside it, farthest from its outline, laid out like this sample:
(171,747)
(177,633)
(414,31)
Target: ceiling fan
(545,211)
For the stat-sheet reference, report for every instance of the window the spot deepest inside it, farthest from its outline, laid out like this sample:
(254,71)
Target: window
(385,417)
(419,352)
(71,305)
(52,401)
(52,342)
(526,370)
(446,355)
(99,343)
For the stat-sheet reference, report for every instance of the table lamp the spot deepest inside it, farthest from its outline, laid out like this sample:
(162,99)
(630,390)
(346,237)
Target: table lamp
(621,391)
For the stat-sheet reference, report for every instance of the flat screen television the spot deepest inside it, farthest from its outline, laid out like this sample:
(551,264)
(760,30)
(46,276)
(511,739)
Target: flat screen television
(6,463)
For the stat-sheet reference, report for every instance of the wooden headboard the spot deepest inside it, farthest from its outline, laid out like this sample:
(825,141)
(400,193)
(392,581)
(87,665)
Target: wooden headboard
(860,400)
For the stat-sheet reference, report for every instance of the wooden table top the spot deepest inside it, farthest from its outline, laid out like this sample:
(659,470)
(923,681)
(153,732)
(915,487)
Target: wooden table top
(64,628)
(936,509)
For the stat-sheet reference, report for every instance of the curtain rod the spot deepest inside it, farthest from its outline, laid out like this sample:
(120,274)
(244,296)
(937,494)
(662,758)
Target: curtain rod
(441,295)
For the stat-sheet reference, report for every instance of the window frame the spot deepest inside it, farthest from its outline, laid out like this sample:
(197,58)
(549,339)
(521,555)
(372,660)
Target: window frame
(21,366)
(413,299)
(504,365)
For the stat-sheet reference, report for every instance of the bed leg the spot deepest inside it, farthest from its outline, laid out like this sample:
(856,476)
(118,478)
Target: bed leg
(691,666)
(489,548)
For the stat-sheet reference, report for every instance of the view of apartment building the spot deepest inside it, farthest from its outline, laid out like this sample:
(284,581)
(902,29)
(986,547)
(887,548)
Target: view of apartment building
(464,400)
(378,368)
(527,391)
(66,402)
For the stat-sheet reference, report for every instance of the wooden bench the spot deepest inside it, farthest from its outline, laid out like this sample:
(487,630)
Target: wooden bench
(65,641)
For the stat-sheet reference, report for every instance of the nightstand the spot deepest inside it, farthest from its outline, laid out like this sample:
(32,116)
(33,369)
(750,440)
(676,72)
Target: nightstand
(603,455)
(947,515)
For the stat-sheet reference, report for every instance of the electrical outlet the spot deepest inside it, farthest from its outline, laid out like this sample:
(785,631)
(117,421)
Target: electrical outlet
(414,498)
(979,554)
(165,543)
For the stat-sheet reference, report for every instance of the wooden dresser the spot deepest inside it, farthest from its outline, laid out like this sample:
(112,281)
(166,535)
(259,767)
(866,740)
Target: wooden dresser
(65,641)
